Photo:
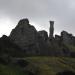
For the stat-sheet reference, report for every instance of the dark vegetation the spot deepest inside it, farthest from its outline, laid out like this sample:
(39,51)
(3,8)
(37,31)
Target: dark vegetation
(66,73)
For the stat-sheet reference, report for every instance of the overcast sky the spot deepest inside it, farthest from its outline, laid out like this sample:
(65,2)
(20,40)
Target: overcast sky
(39,13)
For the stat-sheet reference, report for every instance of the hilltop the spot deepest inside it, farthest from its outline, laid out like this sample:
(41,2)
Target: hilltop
(33,42)
(27,51)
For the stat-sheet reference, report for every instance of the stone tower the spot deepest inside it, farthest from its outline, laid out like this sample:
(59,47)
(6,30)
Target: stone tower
(51,30)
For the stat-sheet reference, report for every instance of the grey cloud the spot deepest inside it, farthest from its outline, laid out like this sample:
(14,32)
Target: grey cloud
(41,11)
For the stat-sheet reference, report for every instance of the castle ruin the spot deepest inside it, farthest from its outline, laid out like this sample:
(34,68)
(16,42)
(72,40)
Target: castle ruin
(51,30)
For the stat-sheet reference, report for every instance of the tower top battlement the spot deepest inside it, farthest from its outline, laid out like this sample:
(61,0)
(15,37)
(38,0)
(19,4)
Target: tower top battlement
(51,22)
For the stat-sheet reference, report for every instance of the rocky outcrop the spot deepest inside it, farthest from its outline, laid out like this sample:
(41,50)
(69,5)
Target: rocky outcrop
(67,38)
(28,39)
(24,34)
(34,42)
(43,42)
(43,34)
(9,48)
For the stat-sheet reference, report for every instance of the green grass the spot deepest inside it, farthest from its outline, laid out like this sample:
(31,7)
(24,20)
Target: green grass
(71,48)
(41,65)
(10,70)
(50,65)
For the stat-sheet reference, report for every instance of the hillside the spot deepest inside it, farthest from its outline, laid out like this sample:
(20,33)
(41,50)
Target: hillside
(40,66)
(50,65)
(10,70)
(27,51)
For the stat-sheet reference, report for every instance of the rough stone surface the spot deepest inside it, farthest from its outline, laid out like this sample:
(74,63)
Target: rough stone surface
(43,34)
(51,29)
(67,38)
(38,43)
(57,37)
(24,34)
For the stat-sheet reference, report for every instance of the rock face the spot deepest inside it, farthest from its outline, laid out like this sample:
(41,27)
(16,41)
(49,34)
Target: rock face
(43,34)
(8,48)
(28,39)
(43,44)
(24,34)
(57,37)
(67,38)
(34,42)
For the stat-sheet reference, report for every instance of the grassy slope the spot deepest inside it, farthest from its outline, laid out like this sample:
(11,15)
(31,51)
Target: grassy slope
(71,47)
(50,65)
(40,65)
(10,70)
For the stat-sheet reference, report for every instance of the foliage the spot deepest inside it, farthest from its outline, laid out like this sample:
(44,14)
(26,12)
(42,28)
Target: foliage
(7,70)
(50,65)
